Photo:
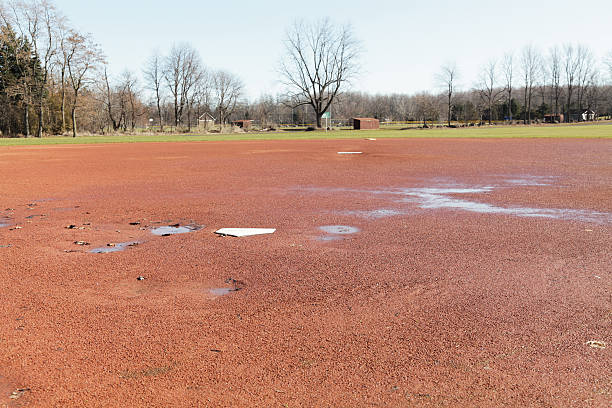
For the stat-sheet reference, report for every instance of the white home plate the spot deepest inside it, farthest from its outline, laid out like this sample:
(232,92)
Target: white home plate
(244,232)
(350,152)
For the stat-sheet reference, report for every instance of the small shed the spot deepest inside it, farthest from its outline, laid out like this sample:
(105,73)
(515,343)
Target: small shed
(365,123)
(243,123)
(552,118)
(588,115)
(205,120)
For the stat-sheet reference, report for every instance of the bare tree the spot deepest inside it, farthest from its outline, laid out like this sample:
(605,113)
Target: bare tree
(554,61)
(37,21)
(530,64)
(108,100)
(571,64)
(320,59)
(129,87)
(488,88)
(153,74)
(83,57)
(199,101)
(508,71)
(227,89)
(448,79)
(427,108)
(63,32)
(181,71)
(608,62)
(586,74)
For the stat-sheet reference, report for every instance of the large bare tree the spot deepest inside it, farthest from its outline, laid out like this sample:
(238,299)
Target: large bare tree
(83,57)
(571,65)
(227,89)
(488,88)
(182,70)
(448,79)
(554,69)
(320,58)
(507,67)
(37,21)
(153,75)
(530,68)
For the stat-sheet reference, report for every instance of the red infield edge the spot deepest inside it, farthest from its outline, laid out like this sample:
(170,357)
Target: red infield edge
(475,273)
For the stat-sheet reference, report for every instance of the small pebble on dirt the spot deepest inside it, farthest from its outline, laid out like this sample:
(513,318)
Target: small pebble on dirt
(596,344)
(140,278)
(81,243)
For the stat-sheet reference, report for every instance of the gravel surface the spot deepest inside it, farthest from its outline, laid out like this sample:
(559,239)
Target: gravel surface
(457,273)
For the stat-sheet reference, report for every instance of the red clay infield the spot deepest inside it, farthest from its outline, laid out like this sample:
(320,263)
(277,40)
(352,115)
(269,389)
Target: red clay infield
(477,273)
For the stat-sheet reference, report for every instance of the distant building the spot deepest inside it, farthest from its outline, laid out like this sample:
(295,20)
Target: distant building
(552,118)
(588,115)
(582,116)
(243,123)
(205,120)
(365,123)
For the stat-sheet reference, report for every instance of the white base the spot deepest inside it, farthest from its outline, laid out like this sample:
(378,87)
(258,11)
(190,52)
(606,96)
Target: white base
(244,232)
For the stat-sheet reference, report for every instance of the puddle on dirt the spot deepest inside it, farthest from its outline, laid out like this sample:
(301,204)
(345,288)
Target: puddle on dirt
(444,195)
(330,238)
(114,247)
(65,208)
(337,232)
(378,213)
(29,217)
(174,229)
(528,180)
(339,229)
(222,291)
(443,198)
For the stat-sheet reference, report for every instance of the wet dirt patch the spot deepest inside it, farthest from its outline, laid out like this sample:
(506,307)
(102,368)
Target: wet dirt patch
(526,180)
(115,247)
(221,291)
(336,232)
(339,229)
(445,198)
(174,229)
(29,217)
(377,213)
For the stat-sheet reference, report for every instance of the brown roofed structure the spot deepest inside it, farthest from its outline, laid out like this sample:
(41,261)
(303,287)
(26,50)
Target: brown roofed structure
(365,123)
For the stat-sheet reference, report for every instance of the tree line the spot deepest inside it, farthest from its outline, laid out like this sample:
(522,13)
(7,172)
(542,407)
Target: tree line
(55,80)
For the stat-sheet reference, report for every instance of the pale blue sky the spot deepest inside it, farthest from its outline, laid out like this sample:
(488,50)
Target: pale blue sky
(405,42)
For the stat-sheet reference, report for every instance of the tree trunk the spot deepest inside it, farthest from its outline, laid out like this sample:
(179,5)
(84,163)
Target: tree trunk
(26,119)
(161,124)
(524,109)
(74,125)
(449,110)
(510,105)
(319,115)
(63,107)
(39,132)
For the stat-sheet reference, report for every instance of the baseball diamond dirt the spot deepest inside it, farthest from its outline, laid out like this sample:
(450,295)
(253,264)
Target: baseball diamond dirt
(418,273)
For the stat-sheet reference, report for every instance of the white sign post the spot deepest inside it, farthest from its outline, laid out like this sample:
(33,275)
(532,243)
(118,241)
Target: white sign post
(326,115)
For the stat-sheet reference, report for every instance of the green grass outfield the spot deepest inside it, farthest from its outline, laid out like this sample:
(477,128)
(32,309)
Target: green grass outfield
(570,131)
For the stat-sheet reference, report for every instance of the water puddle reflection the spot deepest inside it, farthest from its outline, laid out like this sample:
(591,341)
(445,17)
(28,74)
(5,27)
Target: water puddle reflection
(114,247)
(174,229)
